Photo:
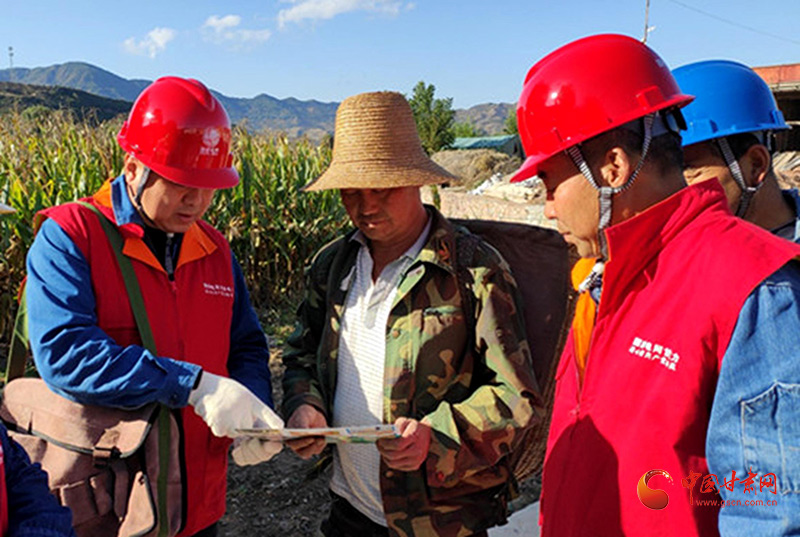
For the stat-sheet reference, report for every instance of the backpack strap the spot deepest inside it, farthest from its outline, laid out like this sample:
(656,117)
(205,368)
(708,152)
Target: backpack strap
(129,277)
(148,341)
(466,244)
(18,349)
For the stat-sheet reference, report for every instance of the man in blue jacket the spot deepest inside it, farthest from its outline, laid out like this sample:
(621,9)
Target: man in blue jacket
(212,359)
(26,506)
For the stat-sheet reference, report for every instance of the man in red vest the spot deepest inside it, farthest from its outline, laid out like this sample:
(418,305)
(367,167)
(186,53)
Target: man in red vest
(682,305)
(212,354)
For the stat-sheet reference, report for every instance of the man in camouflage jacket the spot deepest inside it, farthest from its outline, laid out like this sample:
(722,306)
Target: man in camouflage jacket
(460,392)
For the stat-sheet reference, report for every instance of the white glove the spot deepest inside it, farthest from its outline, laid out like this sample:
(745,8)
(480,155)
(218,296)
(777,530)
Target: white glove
(225,405)
(249,451)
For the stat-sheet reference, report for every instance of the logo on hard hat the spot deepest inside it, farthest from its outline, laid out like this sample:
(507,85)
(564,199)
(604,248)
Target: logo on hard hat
(211,138)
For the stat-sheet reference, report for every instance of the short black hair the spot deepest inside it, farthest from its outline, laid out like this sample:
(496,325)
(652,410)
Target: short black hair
(664,153)
(741,143)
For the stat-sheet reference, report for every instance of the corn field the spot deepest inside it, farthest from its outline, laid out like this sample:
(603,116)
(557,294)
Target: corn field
(49,158)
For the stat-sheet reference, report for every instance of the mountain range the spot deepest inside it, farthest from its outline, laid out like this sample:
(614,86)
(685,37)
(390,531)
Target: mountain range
(26,97)
(263,112)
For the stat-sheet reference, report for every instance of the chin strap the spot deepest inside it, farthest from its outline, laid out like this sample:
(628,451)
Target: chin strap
(605,193)
(140,187)
(736,171)
(137,196)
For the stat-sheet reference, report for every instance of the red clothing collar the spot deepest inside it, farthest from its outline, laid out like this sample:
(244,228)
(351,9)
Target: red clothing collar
(633,244)
(196,242)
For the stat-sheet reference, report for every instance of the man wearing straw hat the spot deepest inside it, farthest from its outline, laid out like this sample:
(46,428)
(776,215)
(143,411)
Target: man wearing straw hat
(382,338)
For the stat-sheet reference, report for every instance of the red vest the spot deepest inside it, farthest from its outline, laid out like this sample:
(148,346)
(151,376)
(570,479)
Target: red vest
(3,496)
(190,318)
(677,277)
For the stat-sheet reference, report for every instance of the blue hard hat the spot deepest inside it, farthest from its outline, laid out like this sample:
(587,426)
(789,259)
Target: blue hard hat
(730,98)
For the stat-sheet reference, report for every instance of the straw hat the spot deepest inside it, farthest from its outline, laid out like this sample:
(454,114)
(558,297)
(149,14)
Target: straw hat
(5,209)
(375,145)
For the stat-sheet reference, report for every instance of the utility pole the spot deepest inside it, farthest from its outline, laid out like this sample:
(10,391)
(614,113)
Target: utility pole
(646,20)
(11,63)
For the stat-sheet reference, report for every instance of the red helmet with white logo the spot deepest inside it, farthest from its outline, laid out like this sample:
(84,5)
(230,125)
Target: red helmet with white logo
(588,87)
(178,129)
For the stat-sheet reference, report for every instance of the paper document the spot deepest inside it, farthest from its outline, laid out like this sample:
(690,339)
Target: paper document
(362,434)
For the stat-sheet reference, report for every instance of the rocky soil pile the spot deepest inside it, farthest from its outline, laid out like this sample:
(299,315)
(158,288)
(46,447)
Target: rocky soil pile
(474,166)
(787,166)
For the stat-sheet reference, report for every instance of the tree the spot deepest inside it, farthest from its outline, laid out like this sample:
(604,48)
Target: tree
(510,124)
(434,117)
(465,129)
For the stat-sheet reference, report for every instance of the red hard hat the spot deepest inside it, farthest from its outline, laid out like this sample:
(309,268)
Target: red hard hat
(178,129)
(588,87)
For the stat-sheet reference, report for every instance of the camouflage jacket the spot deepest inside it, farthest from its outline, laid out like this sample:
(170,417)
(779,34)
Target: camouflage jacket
(479,393)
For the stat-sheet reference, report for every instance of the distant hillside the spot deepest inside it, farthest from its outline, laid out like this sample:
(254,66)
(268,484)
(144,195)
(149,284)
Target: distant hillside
(22,96)
(489,118)
(78,75)
(263,112)
(294,117)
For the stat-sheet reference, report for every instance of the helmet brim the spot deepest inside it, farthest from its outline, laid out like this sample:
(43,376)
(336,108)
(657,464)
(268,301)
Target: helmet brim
(528,169)
(218,178)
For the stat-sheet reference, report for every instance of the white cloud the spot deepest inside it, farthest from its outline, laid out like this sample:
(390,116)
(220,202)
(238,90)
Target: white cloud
(154,42)
(327,9)
(222,24)
(226,30)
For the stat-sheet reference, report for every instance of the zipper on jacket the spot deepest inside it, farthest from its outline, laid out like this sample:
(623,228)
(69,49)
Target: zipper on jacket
(582,385)
(169,264)
(173,285)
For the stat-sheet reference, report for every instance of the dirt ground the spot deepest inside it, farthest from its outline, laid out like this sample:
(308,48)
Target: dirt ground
(285,497)
(278,499)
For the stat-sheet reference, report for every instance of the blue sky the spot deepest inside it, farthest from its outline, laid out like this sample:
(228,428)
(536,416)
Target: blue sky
(475,51)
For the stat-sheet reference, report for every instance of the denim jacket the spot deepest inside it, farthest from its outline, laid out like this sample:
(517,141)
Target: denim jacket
(793,197)
(755,418)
